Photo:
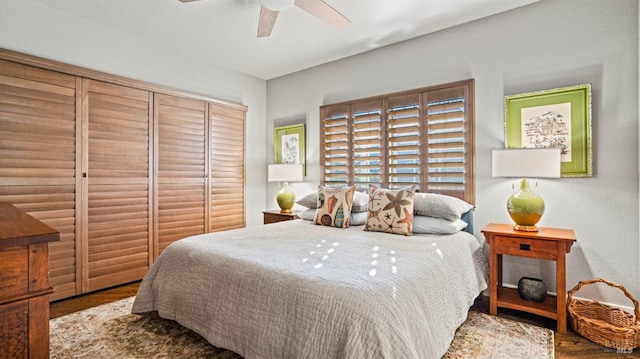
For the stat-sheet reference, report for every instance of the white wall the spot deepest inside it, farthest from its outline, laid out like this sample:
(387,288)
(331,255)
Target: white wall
(32,28)
(545,45)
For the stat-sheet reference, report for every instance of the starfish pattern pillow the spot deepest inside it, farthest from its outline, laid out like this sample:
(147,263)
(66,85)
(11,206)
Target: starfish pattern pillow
(390,211)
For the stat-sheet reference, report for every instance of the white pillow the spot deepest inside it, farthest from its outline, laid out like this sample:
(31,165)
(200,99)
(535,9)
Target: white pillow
(308,214)
(433,225)
(358,219)
(309,201)
(439,206)
(360,201)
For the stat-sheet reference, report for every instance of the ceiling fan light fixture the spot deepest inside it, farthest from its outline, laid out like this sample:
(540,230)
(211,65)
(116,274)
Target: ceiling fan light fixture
(277,5)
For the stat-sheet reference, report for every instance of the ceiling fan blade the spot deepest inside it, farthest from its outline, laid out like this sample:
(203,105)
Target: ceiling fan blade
(266,22)
(324,12)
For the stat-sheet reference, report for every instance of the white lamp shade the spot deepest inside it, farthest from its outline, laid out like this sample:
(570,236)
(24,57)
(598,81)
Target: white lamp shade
(285,173)
(534,163)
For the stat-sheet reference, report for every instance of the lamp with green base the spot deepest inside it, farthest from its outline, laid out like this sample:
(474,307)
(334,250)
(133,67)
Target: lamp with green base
(525,206)
(285,173)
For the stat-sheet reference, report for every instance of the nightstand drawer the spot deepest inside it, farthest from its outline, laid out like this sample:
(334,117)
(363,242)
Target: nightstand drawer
(531,248)
(276,216)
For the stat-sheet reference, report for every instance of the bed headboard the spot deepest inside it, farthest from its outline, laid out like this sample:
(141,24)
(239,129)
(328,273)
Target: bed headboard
(468,217)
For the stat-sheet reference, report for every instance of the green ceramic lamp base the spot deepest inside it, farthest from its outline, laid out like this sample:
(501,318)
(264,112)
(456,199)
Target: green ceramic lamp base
(285,198)
(525,208)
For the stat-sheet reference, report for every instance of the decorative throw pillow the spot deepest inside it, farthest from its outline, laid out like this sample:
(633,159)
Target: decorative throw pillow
(440,206)
(355,219)
(432,225)
(390,211)
(334,206)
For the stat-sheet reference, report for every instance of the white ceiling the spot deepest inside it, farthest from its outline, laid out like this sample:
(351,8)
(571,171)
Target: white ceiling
(223,32)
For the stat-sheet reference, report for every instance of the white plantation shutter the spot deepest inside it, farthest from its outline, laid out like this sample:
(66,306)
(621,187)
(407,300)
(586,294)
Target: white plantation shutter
(422,137)
(448,140)
(335,146)
(403,141)
(366,131)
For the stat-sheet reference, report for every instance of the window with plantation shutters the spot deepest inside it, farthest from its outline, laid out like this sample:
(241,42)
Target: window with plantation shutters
(421,137)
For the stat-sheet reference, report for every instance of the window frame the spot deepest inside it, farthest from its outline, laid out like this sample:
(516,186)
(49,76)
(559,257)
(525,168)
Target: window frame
(452,180)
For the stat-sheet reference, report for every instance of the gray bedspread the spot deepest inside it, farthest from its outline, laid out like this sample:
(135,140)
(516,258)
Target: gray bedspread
(297,290)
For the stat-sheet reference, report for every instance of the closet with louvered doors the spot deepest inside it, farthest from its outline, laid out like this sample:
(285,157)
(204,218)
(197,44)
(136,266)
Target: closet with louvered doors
(182,169)
(38,156)
(116,179)
(121,168)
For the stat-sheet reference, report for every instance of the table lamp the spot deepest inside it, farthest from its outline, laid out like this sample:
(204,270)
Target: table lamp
(525,206)
(285,173)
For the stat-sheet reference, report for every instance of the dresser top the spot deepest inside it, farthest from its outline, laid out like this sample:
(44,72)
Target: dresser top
(18,228)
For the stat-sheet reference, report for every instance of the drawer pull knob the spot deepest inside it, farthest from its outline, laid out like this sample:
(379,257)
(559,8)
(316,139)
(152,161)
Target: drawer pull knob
(525,247)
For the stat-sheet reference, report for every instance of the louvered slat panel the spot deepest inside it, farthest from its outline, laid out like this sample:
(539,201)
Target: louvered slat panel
(366,151)
(181,168)
(334,131)
(403,142)
(38,158)
(117,123)
(445,122)
(227,163)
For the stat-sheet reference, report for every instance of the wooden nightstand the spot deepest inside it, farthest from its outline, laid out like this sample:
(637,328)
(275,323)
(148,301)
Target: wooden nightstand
(274,216)
(548,244)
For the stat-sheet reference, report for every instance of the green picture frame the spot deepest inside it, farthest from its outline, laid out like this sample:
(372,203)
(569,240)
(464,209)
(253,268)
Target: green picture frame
(289,145)
(559,118)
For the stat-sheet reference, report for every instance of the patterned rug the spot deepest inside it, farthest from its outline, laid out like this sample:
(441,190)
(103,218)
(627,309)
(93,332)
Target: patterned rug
(111,331)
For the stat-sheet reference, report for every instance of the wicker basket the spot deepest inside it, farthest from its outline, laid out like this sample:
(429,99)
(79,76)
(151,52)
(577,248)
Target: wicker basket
(608,326)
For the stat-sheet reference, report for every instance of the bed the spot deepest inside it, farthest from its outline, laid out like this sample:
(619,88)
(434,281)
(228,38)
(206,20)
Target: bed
(298,290)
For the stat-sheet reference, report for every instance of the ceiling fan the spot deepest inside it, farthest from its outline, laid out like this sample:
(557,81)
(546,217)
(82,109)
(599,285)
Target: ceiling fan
(318,8)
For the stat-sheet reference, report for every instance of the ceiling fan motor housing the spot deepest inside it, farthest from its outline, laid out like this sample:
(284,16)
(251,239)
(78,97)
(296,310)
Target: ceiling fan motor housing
(277,5)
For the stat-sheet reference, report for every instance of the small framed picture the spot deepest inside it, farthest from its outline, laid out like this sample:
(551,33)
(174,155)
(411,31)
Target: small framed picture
(557,118)
(289,143)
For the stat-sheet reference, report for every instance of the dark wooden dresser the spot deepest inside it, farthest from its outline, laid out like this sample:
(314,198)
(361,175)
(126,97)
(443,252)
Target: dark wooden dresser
(24,284)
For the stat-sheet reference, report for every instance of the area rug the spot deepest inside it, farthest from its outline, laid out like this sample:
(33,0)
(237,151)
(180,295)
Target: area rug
(111,331)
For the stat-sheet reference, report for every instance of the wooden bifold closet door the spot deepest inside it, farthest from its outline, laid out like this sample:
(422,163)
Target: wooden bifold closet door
(182,168)
(116,178)
(38,158)
(227,179)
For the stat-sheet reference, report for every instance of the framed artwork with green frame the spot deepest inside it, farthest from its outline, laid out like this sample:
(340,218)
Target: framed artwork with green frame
(557,118)
(289,144)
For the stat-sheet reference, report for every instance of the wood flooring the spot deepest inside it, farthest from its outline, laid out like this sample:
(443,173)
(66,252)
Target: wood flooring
(570,345)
